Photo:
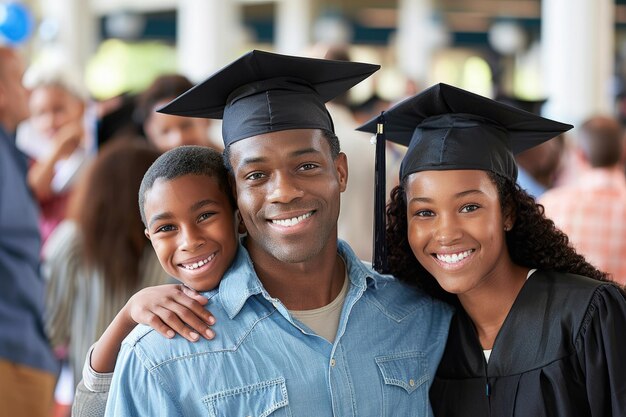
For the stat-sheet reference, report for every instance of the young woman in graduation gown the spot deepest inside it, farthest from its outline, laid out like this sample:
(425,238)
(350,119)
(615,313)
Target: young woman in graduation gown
(538,330)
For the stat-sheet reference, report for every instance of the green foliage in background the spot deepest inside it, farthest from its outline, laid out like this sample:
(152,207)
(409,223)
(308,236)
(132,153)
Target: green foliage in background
(119,67)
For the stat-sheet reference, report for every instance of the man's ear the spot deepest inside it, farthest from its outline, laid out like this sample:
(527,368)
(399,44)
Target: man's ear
(241,227)
(145,232)
(341,165)
(233,185)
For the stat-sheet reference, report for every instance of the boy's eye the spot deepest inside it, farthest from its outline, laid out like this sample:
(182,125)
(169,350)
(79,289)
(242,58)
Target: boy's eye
(206,215)
(469,208)
(165,228)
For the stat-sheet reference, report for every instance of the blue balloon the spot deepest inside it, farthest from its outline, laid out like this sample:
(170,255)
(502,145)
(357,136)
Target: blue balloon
(16,22)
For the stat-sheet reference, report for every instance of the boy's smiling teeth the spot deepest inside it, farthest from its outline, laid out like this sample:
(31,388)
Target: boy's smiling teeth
(198,264)
(455,257)
(293,221)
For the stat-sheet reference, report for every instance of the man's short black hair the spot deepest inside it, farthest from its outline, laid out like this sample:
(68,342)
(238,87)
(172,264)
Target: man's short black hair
(185,160)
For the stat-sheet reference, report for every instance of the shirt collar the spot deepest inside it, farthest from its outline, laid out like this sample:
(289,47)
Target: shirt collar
(607,177)
(360,273)
(240,281)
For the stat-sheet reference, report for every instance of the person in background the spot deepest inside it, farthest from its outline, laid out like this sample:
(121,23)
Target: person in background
(356,218)
(116,117)
(166,131)
(98,257)
(538,167)
(58,137)
(592,210)
(370,107)
(28,368)
(538,330)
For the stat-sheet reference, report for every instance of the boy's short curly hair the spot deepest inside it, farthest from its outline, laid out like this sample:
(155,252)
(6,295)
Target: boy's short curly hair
(185,160)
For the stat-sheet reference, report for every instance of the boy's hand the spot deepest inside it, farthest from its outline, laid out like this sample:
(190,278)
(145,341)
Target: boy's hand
(171,309)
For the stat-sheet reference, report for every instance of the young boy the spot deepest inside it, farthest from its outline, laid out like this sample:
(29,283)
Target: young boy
(189,214)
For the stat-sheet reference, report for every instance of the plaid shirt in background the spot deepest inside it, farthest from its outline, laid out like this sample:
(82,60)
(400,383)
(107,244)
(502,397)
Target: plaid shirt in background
(592,212)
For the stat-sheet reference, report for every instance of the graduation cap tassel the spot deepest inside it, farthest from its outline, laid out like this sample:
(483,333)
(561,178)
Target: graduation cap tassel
(380,247)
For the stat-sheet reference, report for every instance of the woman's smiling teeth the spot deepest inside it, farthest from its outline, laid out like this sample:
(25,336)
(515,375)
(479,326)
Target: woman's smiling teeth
(198,264)
(455,257)
(293,221)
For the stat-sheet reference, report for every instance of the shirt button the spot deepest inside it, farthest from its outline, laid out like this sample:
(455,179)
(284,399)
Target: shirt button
(332,362)
(411,382)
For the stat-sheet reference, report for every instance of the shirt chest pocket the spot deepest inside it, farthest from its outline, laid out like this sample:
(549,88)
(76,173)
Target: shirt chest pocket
(406,382)
(266,398)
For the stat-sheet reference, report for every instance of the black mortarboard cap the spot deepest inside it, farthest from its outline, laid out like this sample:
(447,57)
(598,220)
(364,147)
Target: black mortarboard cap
(447,128)
(531,106)
(263,92)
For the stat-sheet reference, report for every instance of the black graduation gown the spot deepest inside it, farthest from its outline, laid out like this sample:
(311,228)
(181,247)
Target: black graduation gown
(560,352)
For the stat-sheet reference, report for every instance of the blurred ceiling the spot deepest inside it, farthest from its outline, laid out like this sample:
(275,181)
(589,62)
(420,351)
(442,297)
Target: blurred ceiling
(458,15)
(371,21)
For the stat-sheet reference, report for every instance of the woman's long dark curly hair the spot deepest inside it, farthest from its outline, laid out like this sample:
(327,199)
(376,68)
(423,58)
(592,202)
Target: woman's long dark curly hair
(533,242)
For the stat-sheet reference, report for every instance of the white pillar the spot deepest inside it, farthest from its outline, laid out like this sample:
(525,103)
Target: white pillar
(415,37)
(293,26)
(209,35)
(77,36)
(577,57)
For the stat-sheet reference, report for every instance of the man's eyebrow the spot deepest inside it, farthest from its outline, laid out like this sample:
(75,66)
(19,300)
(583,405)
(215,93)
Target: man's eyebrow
(305,151)
(253,160)
(261,159)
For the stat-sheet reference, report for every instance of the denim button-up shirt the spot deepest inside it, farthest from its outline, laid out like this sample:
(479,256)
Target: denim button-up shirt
(263,362)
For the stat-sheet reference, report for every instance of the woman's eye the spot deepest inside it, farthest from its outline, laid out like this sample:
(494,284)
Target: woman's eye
(423,213)
(469,208)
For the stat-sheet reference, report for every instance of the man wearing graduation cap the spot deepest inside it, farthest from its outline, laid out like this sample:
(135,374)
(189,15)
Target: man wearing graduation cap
(538,330)
(304,327)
